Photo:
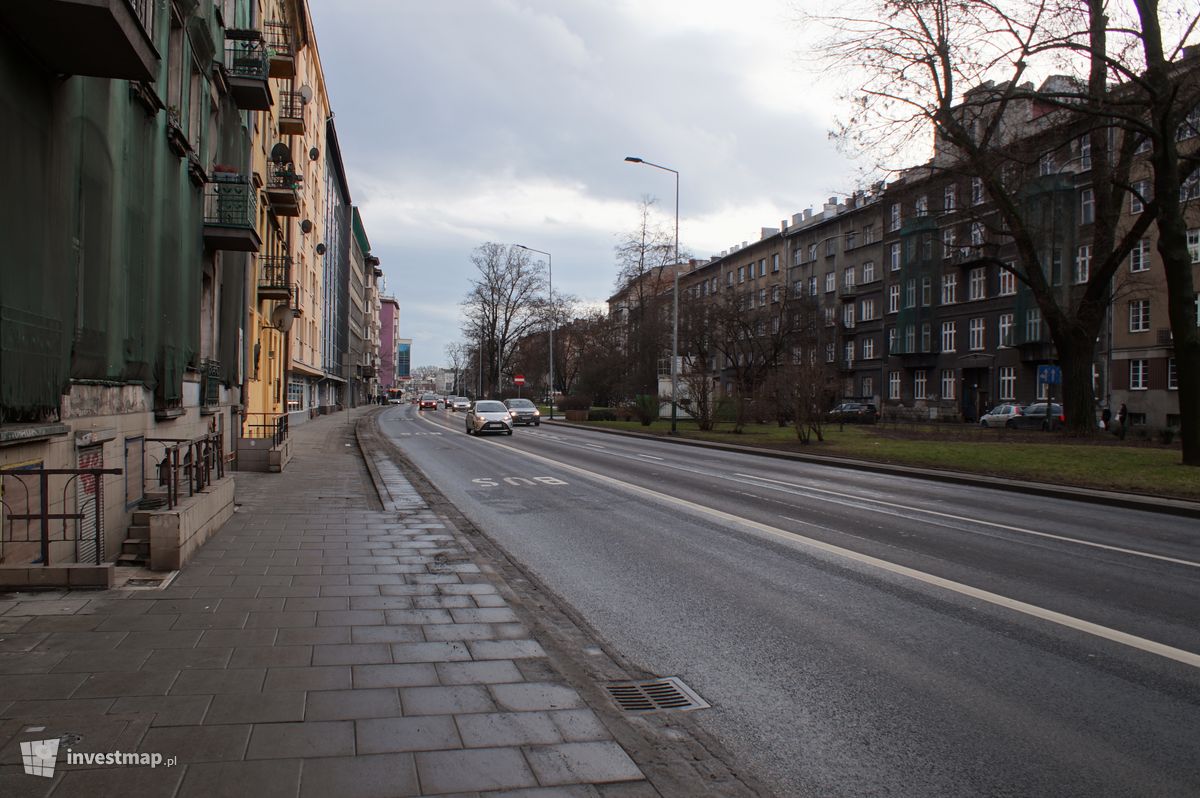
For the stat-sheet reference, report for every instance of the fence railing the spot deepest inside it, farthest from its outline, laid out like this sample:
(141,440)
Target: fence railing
(181,467)
(266,425)
(26,497)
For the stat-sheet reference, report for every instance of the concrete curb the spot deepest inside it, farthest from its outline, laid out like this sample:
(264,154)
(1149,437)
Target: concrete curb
(1153,504)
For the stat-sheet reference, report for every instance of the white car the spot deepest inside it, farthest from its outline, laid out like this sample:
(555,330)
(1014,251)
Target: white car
(489,415)
(1000,415)
(458,403)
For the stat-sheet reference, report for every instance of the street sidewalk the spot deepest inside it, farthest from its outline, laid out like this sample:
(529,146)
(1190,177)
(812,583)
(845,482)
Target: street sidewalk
(318,645)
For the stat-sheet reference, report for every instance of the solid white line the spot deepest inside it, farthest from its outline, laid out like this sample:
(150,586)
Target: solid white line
(1067,621)
(651,457)
(980,522)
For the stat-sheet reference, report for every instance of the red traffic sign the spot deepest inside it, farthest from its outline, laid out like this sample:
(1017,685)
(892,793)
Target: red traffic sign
(519,379)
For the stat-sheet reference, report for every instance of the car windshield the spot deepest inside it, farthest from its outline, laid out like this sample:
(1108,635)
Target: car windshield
(522,403)
(489,407)
(428,396)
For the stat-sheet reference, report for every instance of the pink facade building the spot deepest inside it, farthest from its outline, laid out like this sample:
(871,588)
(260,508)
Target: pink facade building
(389,332)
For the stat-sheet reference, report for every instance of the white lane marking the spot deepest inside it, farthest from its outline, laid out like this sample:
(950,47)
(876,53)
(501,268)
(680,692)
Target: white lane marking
(651,457)
(1032,610)
(951,516)
(594,445)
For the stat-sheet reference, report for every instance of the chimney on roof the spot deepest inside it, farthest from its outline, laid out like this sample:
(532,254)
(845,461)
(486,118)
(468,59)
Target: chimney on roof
(767,232)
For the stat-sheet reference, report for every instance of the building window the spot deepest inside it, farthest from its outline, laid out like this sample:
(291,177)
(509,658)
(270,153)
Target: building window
(1139,256)
(926,337)
(1008,383)
(977,234)
(830,352)
(848,315)
(1008,279)
(893,385)
(1006,329)
(868,387)
(848,353)
(894,257)
(812,252)
(1046,164)
(1087,206)
(1172,376)
(774,294)
(1033,325)
(1139,315)
(978,336)
(1085,151)
(1139,374)
(895,216)
(910,339)
(868,234)
(976,191)
(741,274)
(920,382)
(762,297)
(812,285)
(950,195)
(1083,264)
(921,206)
(948,242)
(910,293)
(868,310)
(868,349)
(1189,189)
(949,331)
(851,239)
(977,284)
(830,247)
(830,282)
(891,340)
(1193,244)
(1139,196)
(949,289)
(762,268)
(848,277)
(729,278)
(295,395)
(926,292)
(774,263)
(868,272)
(948,383)
(893,298)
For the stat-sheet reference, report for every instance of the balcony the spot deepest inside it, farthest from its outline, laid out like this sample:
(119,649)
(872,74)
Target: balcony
(917,360)
(248,67)
(283,189)
(848,293)
(274,278)
(291,113)
(98,38)
(1037,352)
(210,383)
(280,53)
(229,210)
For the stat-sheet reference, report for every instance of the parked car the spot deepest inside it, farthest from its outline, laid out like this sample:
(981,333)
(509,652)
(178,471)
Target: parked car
(429,401)
(999,415)
(489,415)
(854,413)
(1036,417)
(523,411)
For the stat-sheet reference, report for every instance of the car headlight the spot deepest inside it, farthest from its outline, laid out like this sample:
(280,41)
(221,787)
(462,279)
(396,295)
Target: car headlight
(512,413)
(537,412)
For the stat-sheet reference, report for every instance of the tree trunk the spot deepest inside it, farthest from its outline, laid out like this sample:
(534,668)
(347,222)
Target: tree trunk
(1075,353)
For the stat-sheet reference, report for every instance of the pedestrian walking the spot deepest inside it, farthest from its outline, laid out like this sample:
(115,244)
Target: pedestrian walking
(1106,419)
(1122,421)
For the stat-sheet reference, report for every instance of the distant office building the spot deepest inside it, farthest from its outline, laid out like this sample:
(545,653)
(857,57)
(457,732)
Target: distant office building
(389,337)
(403,361)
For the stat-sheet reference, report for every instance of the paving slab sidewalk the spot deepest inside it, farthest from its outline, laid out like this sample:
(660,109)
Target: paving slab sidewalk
(321,644)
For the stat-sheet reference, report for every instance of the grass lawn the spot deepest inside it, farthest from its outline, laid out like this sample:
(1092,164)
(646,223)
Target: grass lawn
(1105,463)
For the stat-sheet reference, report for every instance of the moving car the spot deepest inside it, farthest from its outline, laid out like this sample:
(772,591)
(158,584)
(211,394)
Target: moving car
(489,415)
(1035,417)
(458,403)
(999,415)
(854,413)
(428,401)
(523,411)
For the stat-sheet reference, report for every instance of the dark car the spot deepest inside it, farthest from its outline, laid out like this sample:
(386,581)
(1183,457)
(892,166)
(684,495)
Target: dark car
(428,401)
(854,413)
(523,411)
(1036,417)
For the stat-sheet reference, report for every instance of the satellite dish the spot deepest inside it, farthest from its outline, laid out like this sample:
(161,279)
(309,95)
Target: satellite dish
(314,154)
(306,94)
(320,249)
(281,153)
(282,318)
(306,226)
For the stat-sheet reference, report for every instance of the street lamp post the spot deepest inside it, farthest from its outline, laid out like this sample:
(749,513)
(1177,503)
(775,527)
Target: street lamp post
(674,299)
(550,281)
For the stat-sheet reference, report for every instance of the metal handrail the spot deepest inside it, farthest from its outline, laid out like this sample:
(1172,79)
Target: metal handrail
(43,514)
(276,272)
(272,425)
(193,463)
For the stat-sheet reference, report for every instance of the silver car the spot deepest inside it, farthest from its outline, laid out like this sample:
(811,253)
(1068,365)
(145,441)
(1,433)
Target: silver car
(489,415)
(458,403)
(1000,415)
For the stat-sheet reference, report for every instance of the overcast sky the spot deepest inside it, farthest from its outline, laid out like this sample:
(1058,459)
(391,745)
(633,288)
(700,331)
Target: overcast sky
(509,120)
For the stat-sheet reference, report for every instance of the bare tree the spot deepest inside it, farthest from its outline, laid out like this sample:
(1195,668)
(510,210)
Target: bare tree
(932,63)
(456,356)
(505,304)
(699,356)
(645,256)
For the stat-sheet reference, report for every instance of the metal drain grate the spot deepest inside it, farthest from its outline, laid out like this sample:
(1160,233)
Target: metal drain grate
(656,694)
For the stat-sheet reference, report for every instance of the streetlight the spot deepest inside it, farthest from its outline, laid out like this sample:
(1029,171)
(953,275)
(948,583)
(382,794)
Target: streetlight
(550,280)
(674,298)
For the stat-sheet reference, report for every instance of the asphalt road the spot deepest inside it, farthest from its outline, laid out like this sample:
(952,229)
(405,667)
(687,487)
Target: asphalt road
(859,634)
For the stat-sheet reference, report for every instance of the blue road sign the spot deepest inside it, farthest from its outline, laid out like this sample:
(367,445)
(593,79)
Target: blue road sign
(1049,375)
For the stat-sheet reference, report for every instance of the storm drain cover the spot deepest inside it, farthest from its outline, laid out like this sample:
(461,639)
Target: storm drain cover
(656,694)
